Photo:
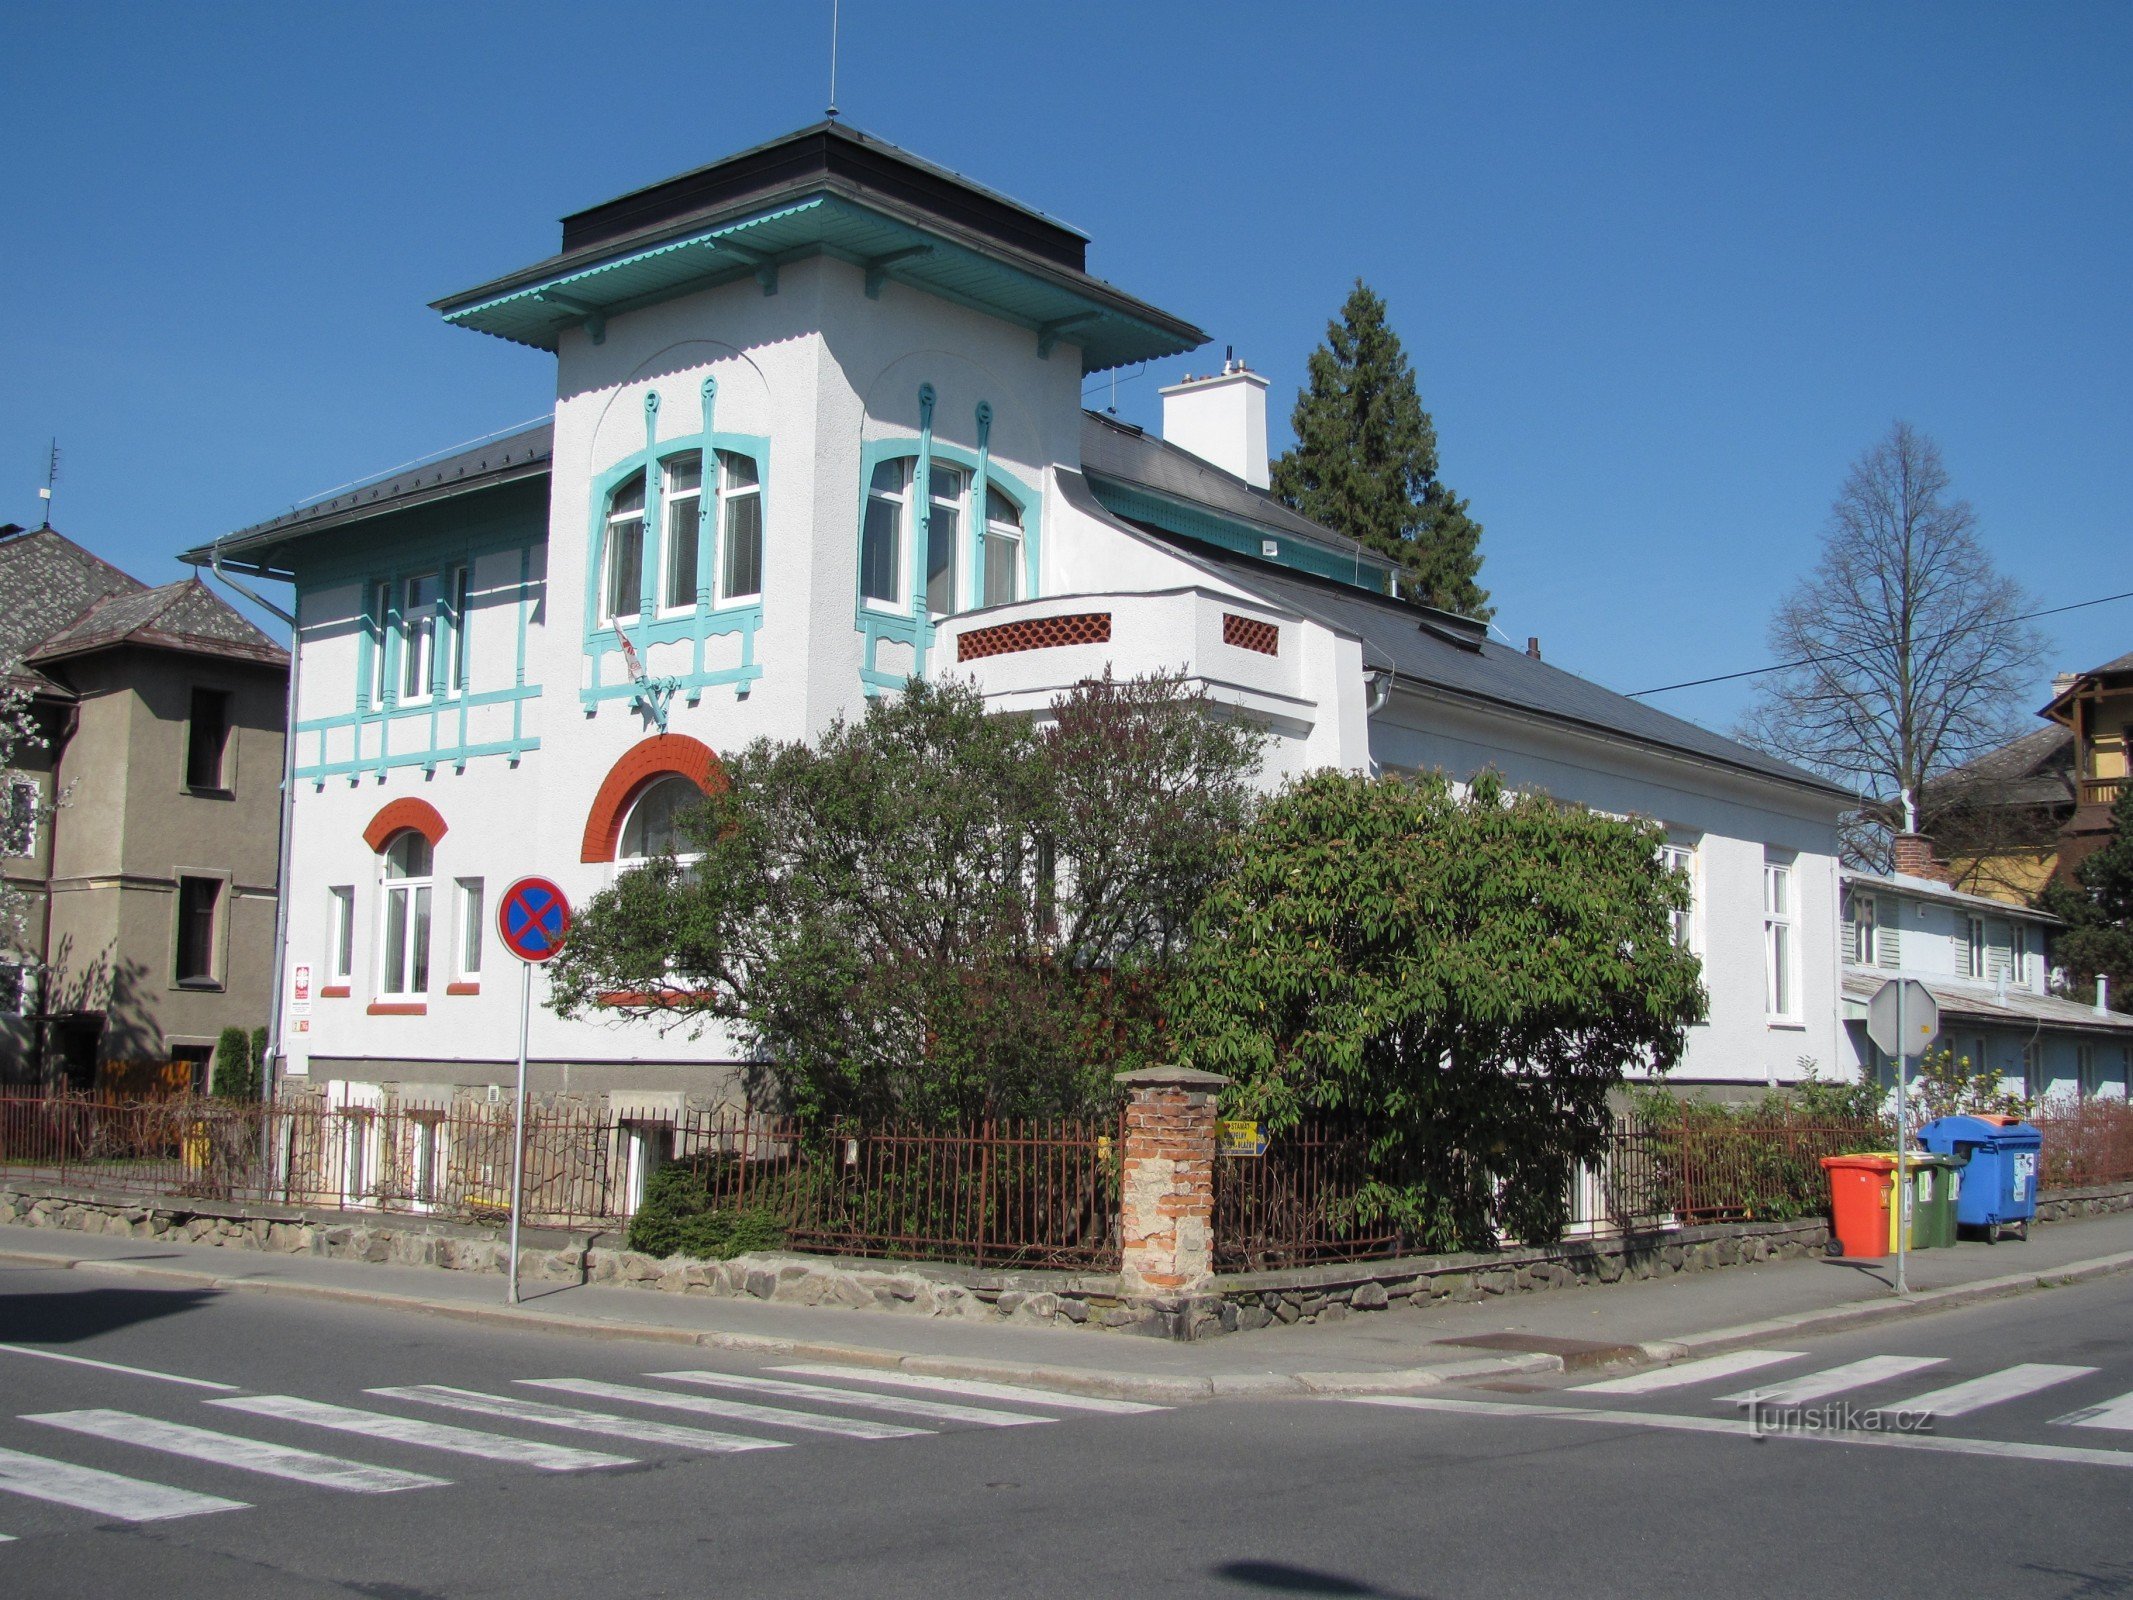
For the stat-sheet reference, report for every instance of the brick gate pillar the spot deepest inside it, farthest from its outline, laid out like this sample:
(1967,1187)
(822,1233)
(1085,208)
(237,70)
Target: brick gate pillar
(1167,1200)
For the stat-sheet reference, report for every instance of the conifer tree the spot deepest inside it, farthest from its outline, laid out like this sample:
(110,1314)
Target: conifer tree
(1365,461)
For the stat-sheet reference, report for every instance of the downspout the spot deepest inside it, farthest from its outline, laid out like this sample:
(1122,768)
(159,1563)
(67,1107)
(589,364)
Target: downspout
(42,1029)
(270,1066)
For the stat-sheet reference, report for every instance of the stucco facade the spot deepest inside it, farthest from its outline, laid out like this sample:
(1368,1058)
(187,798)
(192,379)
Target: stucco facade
(812,379)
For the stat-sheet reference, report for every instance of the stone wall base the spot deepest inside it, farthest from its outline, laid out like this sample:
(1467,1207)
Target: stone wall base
(1237,1302)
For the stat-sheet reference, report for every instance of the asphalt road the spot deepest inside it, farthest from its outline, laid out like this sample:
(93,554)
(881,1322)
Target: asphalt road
(280,1471)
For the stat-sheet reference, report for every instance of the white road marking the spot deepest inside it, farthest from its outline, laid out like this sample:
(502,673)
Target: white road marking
(228,1450)
(428,1435)
(733,1410)
(1688,1372)
(113,1366)
(1747,1430)
(2010,1383)
(1834,1380)
(514,1409)
(976,1388)
(2111,1414)
(902,1405)
(105,1493)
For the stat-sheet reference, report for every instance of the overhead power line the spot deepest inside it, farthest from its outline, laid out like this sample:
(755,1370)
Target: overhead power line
(1853,655)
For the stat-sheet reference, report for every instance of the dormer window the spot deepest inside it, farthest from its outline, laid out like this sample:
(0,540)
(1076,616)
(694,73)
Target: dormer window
(622,581)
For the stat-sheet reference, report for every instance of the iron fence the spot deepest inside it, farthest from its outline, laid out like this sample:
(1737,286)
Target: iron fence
(2087,1141)
(1006,1193)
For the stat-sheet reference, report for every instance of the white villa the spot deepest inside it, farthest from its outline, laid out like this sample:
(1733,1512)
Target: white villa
(1986,964)
(818,428)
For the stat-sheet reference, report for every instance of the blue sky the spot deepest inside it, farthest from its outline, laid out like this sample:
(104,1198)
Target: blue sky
(1664,271)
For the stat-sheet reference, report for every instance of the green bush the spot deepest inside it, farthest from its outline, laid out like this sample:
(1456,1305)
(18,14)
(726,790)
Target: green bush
(236,1068)
(678,1218)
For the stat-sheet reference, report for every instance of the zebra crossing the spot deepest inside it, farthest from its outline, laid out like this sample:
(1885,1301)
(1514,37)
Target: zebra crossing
(1893,1399)
(510,1426)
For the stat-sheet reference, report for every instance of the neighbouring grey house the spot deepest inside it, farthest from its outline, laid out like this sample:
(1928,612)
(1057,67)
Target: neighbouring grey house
(1987,964)
(141,839)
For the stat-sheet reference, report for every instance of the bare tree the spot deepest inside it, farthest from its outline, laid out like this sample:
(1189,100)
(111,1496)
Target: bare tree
(1905,650)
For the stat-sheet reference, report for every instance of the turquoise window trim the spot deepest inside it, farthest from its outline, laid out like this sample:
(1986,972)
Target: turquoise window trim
(709,619)
(445,713)
(911,625)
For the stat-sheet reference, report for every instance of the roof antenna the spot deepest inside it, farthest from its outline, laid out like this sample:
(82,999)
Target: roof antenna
(51,476)
(834,5)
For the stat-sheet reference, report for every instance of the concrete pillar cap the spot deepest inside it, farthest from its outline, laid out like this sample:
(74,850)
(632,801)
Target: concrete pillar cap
(1171,1076)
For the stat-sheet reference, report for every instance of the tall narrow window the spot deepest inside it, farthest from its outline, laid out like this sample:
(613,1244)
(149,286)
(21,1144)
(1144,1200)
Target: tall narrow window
(1003,549)
(197,900)
(944,532)
(1679,858)
(1974,965)
(18,827)
(207,738)
(381,602)
(682,492)
(2018,954)
(404,967)
(742,491)
(418,637)
(2085,1069)
(1866,930)
(1780,950)
(340,933)
(622,580)
(471,927)
(457,677)
(881,541)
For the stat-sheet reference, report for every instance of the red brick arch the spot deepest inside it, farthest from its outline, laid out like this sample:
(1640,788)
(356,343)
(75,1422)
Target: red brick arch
(657,757)
(397,816)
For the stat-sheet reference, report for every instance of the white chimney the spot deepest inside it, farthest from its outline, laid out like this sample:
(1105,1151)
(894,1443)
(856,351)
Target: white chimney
(1222,420)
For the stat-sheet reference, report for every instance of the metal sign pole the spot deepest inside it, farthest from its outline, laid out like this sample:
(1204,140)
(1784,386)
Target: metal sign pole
(1903,1129)
(518,1119)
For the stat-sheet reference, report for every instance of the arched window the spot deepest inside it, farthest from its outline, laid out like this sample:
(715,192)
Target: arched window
(622,580)
(653,829)
(952,540)
(406,868)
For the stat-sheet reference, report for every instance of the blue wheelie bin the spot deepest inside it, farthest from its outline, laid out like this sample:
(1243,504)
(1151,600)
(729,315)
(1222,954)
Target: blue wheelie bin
(1999,1177)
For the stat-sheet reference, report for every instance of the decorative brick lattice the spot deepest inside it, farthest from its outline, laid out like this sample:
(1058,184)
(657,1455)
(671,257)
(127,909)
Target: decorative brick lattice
(1038,633)
(1247,634)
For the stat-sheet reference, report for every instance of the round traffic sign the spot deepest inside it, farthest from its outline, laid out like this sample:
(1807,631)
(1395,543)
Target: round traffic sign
(533,919)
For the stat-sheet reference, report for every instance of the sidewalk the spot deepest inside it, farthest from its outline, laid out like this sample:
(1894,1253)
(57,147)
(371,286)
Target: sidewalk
(1389,1352)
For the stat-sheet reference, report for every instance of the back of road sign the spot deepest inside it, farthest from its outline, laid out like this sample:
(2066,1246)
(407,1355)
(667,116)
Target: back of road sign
(1921,1018)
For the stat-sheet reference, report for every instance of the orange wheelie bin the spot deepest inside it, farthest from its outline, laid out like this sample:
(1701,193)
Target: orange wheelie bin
(1861,1189)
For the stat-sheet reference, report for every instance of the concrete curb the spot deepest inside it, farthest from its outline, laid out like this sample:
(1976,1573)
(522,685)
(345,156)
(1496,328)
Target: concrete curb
(1157,1388)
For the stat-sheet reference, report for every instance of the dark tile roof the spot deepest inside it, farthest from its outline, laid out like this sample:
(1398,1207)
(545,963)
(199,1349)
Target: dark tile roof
(507,458)
(1438,652)
(47,584)
(2034,770)
(1126,454)
(177,616)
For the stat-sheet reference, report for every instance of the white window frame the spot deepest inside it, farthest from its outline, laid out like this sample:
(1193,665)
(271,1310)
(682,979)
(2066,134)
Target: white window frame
(731,497)
(901,526)
(2018,953)
(1866,929)
(470,914)
(340,933)
(1683,856)
(381,599)
(624,861)
(957,506)
(18,827)
(1977,958)
(428,1159)
(1781,941)
(680,532)
(459,584)
(398,971)
(1009,534)
(418,638)
(613,518)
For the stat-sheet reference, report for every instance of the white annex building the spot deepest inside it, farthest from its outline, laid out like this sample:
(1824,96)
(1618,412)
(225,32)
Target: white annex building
(818,428)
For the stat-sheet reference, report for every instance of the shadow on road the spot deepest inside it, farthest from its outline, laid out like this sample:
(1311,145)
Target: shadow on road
(1281,1578)
(85,1313)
